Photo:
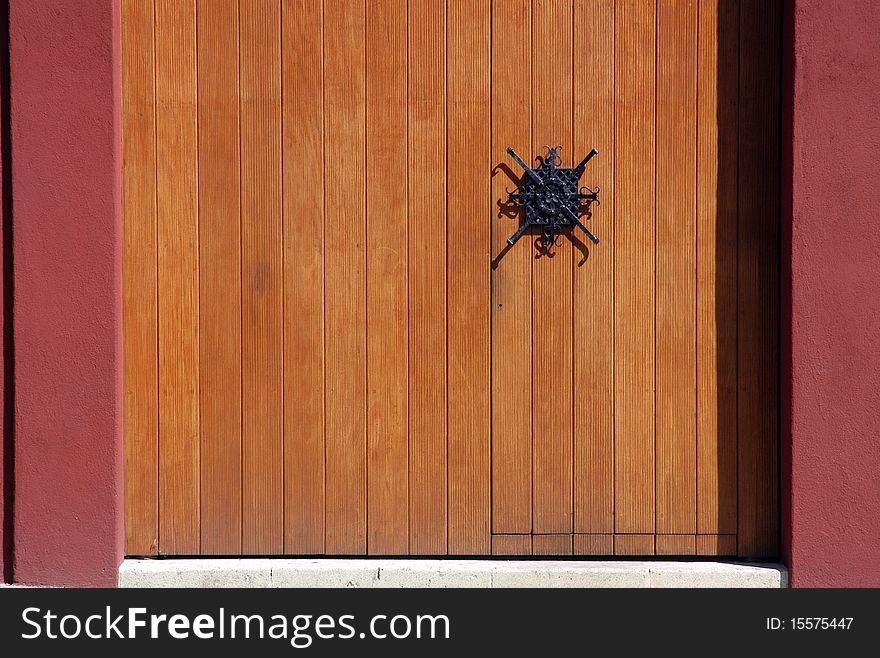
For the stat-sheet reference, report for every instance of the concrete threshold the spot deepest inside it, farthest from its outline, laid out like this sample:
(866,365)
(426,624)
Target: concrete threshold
(380,572)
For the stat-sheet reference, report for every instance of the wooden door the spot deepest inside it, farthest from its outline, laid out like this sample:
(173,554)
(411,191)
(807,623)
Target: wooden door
(329,346)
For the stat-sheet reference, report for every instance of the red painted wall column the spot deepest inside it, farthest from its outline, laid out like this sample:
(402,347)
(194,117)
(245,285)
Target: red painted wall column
(67,314)
(6,426)
(831,511)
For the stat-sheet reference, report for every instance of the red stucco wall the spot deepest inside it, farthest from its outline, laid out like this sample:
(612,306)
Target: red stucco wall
(833,499)
(5,221)
(65,115)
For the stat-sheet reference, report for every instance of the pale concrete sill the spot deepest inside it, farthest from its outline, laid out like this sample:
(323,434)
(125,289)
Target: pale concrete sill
(332,572)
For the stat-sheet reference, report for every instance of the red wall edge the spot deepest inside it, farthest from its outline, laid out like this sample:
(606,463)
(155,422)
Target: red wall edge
(5,425)
(67,315)
(833,494)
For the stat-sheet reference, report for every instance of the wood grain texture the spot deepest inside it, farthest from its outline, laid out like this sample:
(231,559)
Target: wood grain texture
(178,279)
(593,283)
(634,544)
(717,265)
(141,401)
(758,279)
(303,230)
(511,544)
(345,277)
(676,544)
(634,275)
(261,277)
(219,278)
(593,544)
(551,545)
(330,348)
(552,282)
(716,544)
(387,309)
(427,276)
(511,275)
(676,334)
(468,275)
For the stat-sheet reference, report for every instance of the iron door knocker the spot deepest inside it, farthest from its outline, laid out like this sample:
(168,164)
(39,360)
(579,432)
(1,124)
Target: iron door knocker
(552,196)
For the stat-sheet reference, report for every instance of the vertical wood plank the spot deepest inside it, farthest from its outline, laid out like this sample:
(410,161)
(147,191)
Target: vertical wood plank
(716,544)
(261,277)
(758,278)
(141,402)
(593,286)
(593,544)
(387,312)
(178,283)
(634,267)
(468,276)
(676,544)
(511,544)
(638,544)
(552,281)
(511,274)
(219,278)
(718,88)
(427,276)
(551,545)
(676,404)
(345,277)
(303,230)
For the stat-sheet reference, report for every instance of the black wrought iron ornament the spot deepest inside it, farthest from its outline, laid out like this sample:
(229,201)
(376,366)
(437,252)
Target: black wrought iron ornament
(552,196)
